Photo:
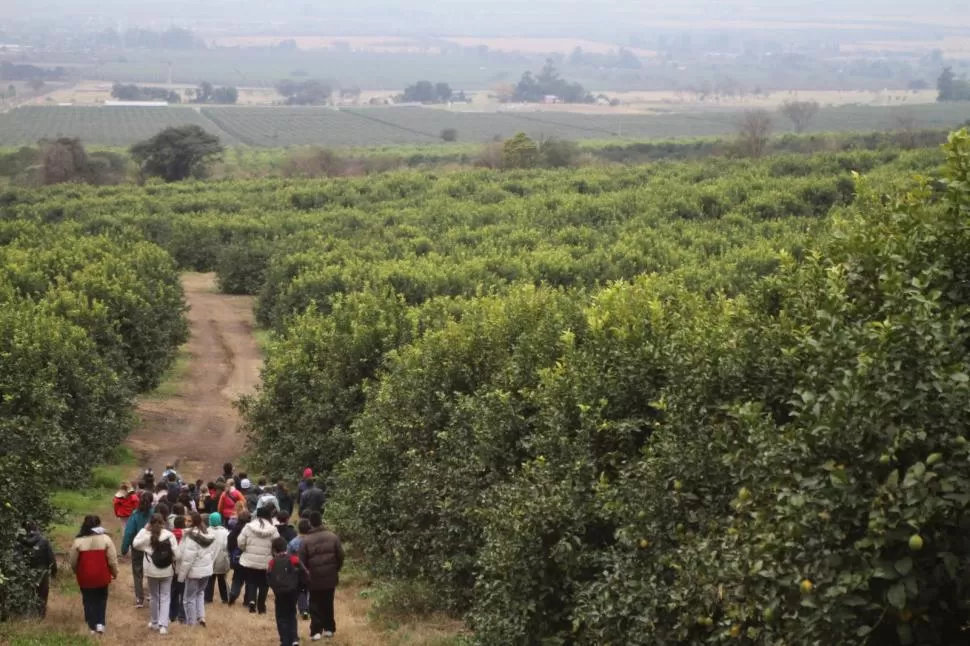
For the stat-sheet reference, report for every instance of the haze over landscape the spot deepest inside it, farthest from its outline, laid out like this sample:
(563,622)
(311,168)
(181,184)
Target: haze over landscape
(584,323)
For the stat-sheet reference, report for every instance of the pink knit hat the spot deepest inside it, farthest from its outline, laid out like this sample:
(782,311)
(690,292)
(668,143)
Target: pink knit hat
(308,473)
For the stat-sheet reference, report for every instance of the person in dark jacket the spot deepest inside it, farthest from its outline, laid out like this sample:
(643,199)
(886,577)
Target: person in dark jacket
(283,526)
(136,522)
(284,497)
(314,498)
(305,483)
(250,494)
(323,556)
(41,559)
(238,573)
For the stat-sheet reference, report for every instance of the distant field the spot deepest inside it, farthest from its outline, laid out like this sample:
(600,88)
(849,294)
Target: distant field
(365,127)
(107,126)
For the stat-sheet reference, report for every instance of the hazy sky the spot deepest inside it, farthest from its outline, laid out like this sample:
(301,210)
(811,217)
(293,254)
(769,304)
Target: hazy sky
(434,15)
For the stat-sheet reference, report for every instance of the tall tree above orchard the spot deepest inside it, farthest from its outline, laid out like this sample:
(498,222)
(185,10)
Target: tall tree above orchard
(178,153)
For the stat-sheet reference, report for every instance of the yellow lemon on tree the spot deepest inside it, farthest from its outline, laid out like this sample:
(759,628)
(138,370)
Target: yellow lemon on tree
(806,586)
(916,542)
(744,493)
(644,543)
(735,631)
(678,485)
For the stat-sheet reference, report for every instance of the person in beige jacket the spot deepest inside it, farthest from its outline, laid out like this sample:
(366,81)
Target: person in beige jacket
(256,543)
(94,561)
(161,555)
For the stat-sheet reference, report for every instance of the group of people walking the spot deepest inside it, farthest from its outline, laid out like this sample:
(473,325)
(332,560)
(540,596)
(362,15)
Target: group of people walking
(185,539)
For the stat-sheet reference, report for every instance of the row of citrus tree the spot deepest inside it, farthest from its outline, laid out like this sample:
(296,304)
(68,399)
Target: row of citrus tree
(86,323)
(570,460)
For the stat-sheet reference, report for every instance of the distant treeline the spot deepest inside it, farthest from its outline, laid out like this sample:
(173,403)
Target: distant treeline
(21,72)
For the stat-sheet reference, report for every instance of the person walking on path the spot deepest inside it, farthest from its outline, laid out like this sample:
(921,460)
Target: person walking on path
(198,551)
(95,563)
(237,523)
(286,576)
(256,543)
(220,561)
(323,555)
(303,600)
(284,498)
(125,502)
(314,498)
(227,501)
(161,553)
(42,561)
(138,520)
(305,483)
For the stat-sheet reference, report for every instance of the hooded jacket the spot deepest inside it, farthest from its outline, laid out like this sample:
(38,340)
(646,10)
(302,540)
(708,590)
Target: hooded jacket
(323,556)
(94,560)
(256,542)
(220,560)
(143,542)
(40,554)
(198,555)
(136,522)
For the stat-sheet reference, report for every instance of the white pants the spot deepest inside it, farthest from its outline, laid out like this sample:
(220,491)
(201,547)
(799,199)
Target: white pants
(161,593)
(193,600)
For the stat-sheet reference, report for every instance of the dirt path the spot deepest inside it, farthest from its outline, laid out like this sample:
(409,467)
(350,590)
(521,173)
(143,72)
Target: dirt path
(196,429)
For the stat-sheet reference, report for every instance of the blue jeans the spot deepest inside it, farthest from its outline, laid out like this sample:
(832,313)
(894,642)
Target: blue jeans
(95,601)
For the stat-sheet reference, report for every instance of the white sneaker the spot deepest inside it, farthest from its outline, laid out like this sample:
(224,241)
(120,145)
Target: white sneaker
(327,634)
(162,630)
(316,637)
(152,626)
(99,629)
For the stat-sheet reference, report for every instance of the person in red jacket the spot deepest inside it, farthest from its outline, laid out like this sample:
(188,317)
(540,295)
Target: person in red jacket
(95,563)
(228,500)
(125,502)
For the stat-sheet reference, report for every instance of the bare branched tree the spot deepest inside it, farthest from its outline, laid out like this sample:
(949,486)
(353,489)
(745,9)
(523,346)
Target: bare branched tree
(754,130)
(800,113)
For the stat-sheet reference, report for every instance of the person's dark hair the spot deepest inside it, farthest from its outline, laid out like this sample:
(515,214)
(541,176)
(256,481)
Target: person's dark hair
(171,477)
(227,469)
(178,509)
(196,519)
(155,527)
(163,510)
(262,482)
(272,510)
(161,487)
(282,517)
(304,513)
(179,522)
(304,526)
(184,499)
(198,483)
(316,519)
(88,524)
(280,487)
(279,545)
(145,502)
(243,476)
(30,526)
(264,514)
(244,517)
(210,485)
(192,487)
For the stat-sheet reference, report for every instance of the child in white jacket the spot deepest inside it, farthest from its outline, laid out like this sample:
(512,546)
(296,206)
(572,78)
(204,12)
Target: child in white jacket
(161,554)
(221,563)
(199,549)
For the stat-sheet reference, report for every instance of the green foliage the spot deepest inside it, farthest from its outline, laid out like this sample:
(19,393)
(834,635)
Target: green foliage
(85,321)
(177,153)
(520,152)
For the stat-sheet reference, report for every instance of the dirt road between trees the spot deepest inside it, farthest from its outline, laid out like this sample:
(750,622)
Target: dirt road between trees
(196,429)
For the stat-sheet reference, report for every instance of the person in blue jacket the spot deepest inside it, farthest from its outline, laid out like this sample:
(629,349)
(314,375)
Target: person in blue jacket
(136,522)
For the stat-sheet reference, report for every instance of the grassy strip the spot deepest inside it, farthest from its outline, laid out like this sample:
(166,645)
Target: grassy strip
(172,379)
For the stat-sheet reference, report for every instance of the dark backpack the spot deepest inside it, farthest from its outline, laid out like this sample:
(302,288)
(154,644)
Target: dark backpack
(162,555)
(284,578)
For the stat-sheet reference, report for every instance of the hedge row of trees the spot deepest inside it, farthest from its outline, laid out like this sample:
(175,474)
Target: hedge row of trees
(612,405)
(86,322)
